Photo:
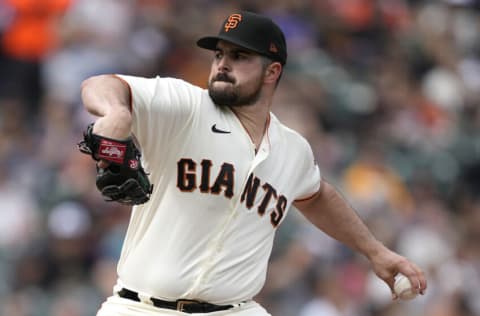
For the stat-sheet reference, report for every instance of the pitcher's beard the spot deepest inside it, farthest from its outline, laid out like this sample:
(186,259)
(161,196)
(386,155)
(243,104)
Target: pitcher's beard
(232,97)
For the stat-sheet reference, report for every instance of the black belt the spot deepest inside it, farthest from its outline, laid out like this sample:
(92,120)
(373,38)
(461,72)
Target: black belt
(186,306)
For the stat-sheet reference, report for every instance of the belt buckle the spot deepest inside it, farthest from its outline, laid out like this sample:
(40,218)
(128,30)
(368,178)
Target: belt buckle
(181,304)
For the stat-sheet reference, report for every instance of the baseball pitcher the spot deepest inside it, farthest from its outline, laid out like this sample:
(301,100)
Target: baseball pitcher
(212,173)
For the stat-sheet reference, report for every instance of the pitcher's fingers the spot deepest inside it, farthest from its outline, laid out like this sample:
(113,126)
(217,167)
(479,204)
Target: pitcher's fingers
(416,277)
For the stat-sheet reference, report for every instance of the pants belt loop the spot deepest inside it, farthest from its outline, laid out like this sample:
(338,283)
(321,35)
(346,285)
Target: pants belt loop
(145,299)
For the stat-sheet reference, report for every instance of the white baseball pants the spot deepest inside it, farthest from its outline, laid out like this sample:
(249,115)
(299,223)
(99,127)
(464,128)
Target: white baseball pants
(118,306)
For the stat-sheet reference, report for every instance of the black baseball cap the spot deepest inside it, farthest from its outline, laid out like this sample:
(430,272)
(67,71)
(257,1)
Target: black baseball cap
(252,31)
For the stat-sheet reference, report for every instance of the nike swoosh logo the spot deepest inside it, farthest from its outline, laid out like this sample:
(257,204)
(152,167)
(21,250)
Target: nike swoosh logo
(216,130)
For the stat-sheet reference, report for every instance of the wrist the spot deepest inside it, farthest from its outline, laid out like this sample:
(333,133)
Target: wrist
(373,249)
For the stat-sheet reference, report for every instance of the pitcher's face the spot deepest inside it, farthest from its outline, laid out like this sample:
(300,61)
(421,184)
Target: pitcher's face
(236,76)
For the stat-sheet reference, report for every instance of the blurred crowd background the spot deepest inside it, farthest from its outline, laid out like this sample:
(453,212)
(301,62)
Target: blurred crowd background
(386,91)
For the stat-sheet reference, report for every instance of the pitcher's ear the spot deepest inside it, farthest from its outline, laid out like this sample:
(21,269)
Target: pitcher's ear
(273,72)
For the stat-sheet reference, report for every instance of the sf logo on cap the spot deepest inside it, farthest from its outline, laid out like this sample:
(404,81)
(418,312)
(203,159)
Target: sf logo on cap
(232,21)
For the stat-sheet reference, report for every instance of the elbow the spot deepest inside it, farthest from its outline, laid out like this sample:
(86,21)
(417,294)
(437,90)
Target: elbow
(91,82)
(88,94)
(84,95)
(86,83)
(104,94)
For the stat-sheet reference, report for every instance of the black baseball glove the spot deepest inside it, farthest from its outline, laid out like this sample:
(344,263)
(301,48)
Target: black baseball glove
(124,180)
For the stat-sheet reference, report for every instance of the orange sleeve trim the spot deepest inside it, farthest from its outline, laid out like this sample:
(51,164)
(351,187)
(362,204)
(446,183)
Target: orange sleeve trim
(308,197)
(130,99)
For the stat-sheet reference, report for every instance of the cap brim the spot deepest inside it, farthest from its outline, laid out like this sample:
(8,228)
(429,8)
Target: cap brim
(210,42)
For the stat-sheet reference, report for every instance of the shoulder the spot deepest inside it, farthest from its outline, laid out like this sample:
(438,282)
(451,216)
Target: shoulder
(291,136)
(159,82)
(177,92)
(176,82)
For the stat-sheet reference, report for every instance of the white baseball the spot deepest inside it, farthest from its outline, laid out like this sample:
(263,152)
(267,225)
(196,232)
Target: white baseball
(403,288)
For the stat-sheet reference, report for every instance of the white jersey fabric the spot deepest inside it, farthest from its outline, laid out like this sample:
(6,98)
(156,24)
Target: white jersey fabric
(208,229)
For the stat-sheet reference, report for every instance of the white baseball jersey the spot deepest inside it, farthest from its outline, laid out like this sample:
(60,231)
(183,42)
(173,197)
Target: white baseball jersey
(208,229)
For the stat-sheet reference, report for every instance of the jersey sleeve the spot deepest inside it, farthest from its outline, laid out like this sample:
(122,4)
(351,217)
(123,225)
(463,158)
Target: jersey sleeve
(160,107)
(309,177)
